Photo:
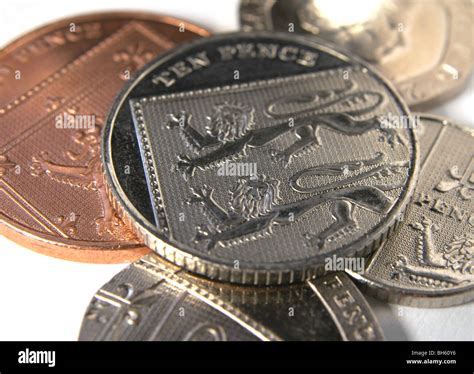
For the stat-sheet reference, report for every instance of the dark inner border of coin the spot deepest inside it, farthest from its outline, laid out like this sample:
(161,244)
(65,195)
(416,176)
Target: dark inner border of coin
(120,146)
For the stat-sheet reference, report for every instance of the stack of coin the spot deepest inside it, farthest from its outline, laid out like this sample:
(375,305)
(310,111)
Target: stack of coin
(266,170)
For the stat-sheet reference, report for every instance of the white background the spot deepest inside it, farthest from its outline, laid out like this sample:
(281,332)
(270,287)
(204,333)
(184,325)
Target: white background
(43,298)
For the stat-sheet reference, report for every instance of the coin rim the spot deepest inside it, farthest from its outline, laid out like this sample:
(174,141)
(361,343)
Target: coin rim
(87,17)
(277,274)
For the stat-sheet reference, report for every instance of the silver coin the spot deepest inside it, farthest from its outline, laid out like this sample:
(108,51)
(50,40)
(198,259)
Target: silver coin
(263,155)
(429,261)
(424,47)
(151,300)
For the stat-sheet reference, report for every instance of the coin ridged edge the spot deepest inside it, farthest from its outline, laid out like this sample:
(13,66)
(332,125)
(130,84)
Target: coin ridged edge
(97,16)
(412,298)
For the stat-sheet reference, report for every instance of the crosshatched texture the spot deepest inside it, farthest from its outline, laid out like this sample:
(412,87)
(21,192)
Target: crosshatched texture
(430,260)
(330,176)
(57,85)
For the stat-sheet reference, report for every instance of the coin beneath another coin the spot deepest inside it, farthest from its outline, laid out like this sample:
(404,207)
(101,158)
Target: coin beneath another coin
(425,47)
(253,158)
(57,85)
(155,301)
(429,261)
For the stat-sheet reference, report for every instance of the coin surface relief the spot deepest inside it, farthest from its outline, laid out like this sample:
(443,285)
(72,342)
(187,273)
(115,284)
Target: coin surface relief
(252,158)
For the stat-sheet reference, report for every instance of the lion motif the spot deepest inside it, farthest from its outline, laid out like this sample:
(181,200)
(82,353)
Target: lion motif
(255,207)
(87,176)
(253,198)
(230,130)
(230,121)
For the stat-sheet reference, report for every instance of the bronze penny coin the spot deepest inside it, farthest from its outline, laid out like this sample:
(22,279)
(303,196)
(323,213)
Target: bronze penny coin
(423,47)
(57,84)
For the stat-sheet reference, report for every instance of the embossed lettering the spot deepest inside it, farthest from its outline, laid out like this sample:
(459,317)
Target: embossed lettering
(268,51)
(181,69)
(58,38)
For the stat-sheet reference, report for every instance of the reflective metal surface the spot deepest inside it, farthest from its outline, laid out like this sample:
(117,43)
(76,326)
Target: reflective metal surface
(57,84)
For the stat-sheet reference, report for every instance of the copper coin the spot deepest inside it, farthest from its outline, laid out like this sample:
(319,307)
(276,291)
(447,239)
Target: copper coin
(57,85)
(423,47)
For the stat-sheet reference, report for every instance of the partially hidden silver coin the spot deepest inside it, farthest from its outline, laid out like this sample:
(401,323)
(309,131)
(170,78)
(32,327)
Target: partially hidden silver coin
(429,261)
(154,301)
(424,47)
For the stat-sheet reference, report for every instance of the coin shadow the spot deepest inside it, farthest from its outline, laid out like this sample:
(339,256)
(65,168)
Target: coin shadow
(388,319)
